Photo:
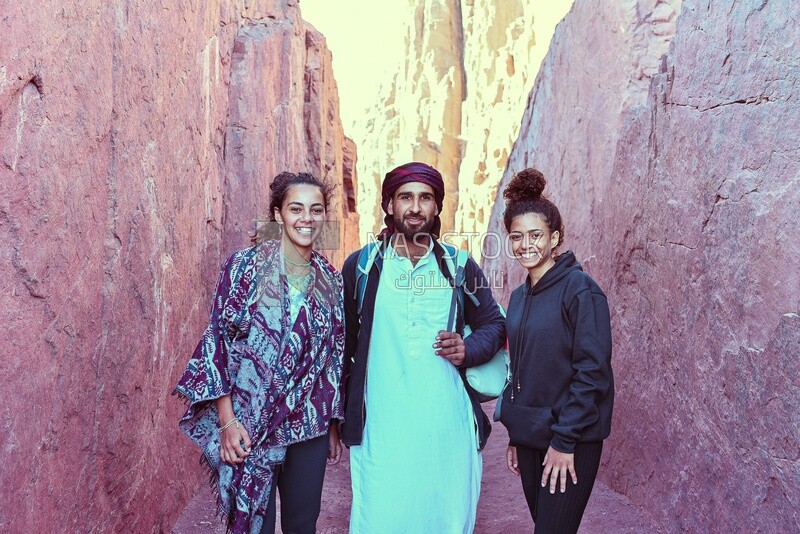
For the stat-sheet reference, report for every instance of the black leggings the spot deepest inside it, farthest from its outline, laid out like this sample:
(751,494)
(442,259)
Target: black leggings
(299,482)
(558,513)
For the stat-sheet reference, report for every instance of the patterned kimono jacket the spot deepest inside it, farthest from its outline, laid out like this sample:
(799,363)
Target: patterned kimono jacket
(281,370)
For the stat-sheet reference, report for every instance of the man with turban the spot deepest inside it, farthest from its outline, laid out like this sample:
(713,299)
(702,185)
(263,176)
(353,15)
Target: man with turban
(415,430)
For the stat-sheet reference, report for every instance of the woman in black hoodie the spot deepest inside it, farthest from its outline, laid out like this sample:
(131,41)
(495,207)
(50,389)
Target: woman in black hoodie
(557,407)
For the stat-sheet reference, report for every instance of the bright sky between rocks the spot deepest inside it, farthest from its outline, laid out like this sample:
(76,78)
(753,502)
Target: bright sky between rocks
(366,39)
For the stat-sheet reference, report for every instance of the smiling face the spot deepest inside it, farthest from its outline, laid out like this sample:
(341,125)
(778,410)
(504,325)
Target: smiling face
(532,243)
(413,208)
(302,215)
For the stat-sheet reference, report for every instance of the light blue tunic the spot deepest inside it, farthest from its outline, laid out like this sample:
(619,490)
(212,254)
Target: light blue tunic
(418,469)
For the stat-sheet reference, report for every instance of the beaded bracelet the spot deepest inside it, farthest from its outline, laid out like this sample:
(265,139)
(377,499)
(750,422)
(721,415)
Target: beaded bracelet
(229,423)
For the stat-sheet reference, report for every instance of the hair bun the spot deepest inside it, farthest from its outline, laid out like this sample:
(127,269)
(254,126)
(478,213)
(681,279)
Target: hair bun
(527,184)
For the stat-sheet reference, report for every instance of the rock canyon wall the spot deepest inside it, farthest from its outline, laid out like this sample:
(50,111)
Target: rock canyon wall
(454,103)
(137,140)
(681,200)
(599,66)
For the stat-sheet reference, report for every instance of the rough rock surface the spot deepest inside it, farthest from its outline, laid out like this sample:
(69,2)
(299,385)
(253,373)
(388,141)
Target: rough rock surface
(283,116)
(454,103)
(599,65)
(418,114)
(119,198)
(504,44)
(685,209)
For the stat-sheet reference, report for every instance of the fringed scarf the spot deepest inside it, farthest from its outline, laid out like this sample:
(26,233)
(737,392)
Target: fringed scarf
(283,378)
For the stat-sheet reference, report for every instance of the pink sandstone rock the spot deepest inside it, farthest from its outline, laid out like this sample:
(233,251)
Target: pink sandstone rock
(283,117)
(417,116)
(117,206)
(600,61)
(454,102)
(684,208)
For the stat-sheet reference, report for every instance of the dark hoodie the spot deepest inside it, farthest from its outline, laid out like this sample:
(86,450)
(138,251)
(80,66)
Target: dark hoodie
(559,336)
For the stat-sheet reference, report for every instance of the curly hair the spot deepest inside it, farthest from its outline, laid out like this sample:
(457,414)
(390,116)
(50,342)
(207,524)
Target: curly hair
(279,188)
(523,195)
(280,185)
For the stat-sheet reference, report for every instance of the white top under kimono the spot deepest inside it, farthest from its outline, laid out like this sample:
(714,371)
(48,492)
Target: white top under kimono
(418,469)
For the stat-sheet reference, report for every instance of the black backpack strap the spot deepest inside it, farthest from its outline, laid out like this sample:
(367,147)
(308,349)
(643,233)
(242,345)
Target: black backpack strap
(456,261)
(370,255)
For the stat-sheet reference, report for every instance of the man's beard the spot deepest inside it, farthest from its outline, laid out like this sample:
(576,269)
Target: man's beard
(409,234)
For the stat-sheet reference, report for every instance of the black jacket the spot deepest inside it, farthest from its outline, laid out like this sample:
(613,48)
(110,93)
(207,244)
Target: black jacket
(488,335)
(559,335)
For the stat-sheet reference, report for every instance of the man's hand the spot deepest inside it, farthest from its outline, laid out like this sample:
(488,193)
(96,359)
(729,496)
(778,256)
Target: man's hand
(450,347)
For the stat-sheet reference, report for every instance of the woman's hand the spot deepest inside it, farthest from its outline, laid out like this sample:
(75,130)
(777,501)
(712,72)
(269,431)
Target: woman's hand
(334,444)
(231,450)
(231,438)
(556,465)
(511,460)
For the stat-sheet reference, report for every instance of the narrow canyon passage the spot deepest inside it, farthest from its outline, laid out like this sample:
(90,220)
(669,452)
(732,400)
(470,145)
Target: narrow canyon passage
(501,508)
(139,140)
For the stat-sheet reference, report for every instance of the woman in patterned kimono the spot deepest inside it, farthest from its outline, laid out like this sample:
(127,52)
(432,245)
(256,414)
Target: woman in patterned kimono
(263,383)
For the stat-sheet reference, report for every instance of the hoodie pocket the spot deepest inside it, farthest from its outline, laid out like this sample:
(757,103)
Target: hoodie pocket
(528,426)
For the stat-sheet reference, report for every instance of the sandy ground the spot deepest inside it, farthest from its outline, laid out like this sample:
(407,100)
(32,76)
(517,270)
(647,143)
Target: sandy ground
(501,509)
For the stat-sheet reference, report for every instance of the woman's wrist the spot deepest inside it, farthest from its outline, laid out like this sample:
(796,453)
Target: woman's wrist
(230,423)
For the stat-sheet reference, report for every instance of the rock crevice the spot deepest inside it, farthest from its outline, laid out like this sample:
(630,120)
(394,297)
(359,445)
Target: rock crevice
(454,103)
